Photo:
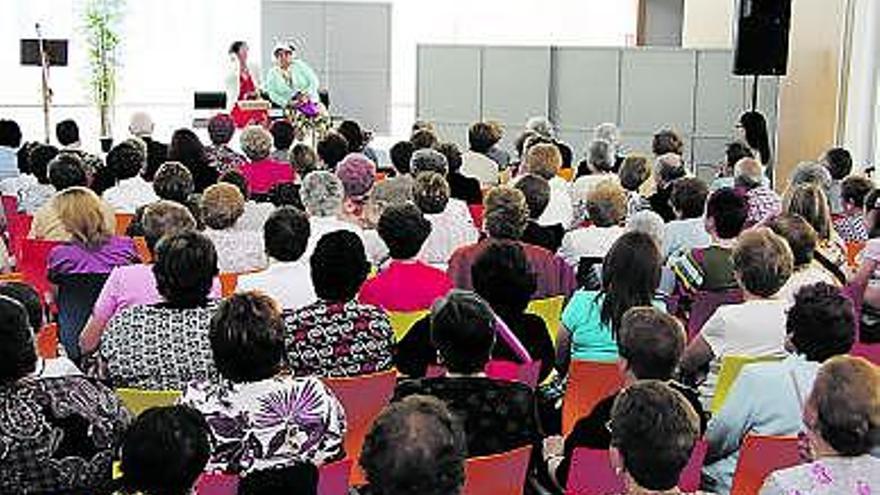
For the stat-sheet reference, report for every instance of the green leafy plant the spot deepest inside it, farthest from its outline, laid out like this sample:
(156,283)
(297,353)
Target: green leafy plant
(101,24)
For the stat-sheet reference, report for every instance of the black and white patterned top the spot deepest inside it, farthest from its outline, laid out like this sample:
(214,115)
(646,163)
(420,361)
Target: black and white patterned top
(58,435)
(152,347)
(338,339)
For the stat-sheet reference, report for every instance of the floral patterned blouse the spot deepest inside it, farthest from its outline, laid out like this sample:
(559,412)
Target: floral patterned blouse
(338,339)
(828,476)
(58,435)
(269,423)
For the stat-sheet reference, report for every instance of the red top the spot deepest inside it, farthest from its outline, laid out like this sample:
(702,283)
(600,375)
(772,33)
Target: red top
(264,174)
(405,286)
(245,84)
(241,117)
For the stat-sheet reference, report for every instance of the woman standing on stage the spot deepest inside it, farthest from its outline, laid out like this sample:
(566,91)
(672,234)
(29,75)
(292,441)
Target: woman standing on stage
(242,83)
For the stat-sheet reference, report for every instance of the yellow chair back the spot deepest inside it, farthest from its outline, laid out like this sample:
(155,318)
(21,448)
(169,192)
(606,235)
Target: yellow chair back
(550,310)
(138,401)
(730,368)
(402,321)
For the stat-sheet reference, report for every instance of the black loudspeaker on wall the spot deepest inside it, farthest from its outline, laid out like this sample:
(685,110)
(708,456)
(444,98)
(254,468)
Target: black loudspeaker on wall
(762,29)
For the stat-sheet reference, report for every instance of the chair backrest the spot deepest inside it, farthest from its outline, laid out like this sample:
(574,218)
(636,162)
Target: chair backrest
(138,401)
(499,474)
(18,226)
(591,472)
(47,341)
(10,205)
(228,282)
(730,368)
(871,352)
(34,265)
(477,215)
(402,321)
(566,173)
(123,220)
(140,244)
(588,383)
(363,398)
(852,252)
(217,484)
(77,294)
(705,304)
(526,373)
(550,310)
(333,478)
(759,456)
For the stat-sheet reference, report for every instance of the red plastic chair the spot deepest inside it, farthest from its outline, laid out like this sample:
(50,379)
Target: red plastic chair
(759,456)
(588,383)
(333,478)
(18,226)
(33,264)
(477,215)
(363,398)
(500,474)
(526,373)
(591,472)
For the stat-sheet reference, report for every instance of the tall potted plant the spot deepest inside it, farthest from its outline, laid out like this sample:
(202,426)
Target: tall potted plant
(102,20)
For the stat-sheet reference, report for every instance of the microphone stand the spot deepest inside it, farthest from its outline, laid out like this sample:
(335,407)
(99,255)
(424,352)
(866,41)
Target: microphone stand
(46,91)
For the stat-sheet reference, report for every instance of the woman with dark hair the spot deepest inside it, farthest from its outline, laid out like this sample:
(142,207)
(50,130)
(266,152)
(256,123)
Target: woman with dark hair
(242,83)
(338,336)
(842,419)
(261,415)
(752,128)
(630,276)
(187,149)
(221,128)
(58,434)
(164,346)
(358,139)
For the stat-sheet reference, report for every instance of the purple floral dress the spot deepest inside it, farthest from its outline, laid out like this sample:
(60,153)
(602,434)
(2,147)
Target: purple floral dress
(269,423)
(828,476)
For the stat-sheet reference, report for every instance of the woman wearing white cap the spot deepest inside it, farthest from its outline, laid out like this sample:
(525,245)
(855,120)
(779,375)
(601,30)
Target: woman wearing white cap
(242,83)
(290,79)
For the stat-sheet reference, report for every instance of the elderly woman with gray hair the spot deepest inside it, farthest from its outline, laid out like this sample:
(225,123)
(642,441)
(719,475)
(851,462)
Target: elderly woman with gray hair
(238,251)
(322,195)
(262,172)
(764,203)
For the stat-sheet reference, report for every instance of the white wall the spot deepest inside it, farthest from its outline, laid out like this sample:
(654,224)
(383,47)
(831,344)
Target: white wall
(708,24)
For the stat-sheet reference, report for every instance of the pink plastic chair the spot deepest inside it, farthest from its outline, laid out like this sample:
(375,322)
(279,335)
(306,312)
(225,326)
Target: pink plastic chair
(527,373)
(333,478)
(217,484)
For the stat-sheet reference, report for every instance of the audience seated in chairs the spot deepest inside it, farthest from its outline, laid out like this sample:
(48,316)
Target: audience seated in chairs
(323,195)
(255,213)
(65,171)
(802,240)
(10,141)
(358,139)
(299,418)
(504,218)
(221,128)
(164,346)
(126,161)
(238,251)
(653,433)
(497,416)
(544,160)
(262,172)
(651,344)
(331,150)
(667,169)
(764,203)
(842,418)
(449,230)
(810,202)
(338,336)
(474,162)
(135,284)
(100,177)
(606,207)
(286,279)
(591,319)
(357,173)
(80,266)
(430,160)
(536,189)
(303,159)
(283,136)
(597,167)
(32,187)
(763,263)
(461,187)
(406,283)
(766,397)
(187,149)
(839,163)
(867,279)
(688,230)
(850,223)
(62,425)
(415,446)
(146,464)
(173,182)
(634,175)
(733,153)
(141,126)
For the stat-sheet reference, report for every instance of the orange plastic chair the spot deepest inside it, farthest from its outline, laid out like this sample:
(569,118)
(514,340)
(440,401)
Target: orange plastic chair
(499,474)
(759,456)
(852,252)
(591,472)
(363,398)
(588,383)
(566,173)
(333,478)
(123,220)
(47,341)
(228,282)
(11,277)
(143,251)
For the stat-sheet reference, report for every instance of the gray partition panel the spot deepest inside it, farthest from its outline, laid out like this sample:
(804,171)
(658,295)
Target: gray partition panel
(358,37)
(449,84)
(720,97)
(516,83)
(299,22)
(657,90)
(585,86)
